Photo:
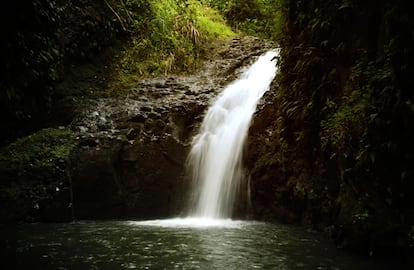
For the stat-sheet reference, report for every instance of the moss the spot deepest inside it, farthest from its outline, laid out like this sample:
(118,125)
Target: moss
(40,149)
(35,184)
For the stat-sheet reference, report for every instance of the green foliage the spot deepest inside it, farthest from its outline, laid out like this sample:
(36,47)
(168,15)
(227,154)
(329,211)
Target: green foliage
(45,149)
(209,22)
(34,175)
(173,39)
(347,122)
(258,17)
(220,5)
(346,107)
(49,36)
(43,37)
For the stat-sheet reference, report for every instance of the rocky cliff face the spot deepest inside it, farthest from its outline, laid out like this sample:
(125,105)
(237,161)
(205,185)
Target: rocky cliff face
(330,149)
(131,147)
(131,162)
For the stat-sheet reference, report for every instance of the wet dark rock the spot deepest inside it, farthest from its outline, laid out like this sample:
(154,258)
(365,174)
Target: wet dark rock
(154,115)
(160,85)
(144,175)
(146,109)
(131,149)
(131,133)
(90,142)
(139,118)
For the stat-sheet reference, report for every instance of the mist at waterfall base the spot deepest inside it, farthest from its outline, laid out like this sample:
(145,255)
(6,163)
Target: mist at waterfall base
(207,238)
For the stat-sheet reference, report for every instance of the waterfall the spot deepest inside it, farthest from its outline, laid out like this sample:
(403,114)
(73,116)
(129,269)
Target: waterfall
(216,154)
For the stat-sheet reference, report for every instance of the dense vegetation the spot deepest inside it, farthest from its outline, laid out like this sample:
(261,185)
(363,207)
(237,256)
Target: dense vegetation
(336,149)
(255,17)
(133,38)
(341,151)
(41,186)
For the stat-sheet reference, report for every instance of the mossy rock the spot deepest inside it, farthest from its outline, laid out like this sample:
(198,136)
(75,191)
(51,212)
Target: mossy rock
(35,178)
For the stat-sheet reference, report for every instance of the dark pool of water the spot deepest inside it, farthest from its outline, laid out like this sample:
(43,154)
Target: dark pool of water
(175,245)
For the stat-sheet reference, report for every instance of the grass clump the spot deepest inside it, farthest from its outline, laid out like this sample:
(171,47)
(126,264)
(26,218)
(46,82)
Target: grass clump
(171,40)
(263,18)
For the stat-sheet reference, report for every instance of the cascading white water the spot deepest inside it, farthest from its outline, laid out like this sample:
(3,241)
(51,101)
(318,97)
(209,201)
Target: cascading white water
(216,154)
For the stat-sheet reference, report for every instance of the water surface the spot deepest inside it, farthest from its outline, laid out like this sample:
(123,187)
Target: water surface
(178,244)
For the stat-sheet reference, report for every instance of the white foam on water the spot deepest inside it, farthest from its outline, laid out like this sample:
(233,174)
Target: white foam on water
(191,223)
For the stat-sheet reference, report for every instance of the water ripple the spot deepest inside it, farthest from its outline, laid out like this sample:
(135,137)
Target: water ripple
(179,244)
